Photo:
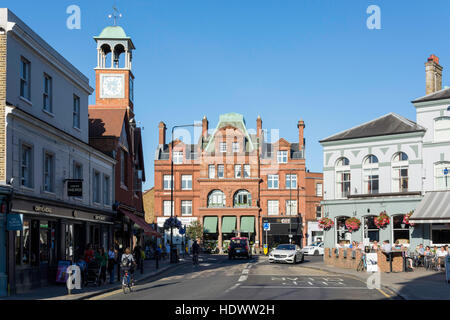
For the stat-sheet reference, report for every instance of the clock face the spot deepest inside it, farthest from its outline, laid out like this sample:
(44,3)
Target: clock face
(112,86)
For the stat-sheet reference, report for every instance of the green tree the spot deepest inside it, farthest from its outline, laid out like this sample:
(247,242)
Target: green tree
(195,230)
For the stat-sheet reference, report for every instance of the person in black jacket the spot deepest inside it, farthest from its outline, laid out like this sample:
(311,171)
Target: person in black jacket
(138,257)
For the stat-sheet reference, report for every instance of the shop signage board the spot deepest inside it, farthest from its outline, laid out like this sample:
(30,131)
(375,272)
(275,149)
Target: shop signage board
(75,188)
(372,262)
(14,222)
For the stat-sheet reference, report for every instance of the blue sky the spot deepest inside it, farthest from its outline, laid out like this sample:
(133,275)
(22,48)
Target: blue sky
(281,59)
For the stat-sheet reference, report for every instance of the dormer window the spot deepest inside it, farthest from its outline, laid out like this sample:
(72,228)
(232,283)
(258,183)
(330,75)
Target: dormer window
(282,156)
(178,157)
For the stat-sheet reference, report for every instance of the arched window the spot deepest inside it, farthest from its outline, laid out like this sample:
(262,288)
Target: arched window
(400,166)
(371,231)
(242,198)
(343,236)
(342,178)
(216,198)
(400,230)
(442,180)
(442,129)
(370,174)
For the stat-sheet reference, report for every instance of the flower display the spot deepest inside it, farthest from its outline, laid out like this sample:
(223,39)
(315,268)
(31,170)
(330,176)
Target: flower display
(382,220)
(406,219)
(326,223)
(172,222)
(352,224)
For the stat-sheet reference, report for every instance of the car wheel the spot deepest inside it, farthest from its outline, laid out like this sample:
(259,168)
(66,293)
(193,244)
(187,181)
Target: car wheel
(316,253)
(295,260)
(303,258)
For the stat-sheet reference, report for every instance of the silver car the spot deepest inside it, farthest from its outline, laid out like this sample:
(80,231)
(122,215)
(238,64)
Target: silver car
(288,253)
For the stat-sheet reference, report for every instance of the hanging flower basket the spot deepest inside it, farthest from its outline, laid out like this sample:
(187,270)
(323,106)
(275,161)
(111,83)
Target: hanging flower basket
(326,224)
(382,220)
(172,222)
(406,219)
(352,224)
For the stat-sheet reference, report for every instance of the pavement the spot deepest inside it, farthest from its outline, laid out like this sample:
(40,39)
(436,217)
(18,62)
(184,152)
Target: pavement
(59,292)
(420,284)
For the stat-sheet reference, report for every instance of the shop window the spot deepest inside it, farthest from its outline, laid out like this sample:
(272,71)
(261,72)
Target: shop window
(242,198)
(23,244)
(370,229)
(68,237)
(440,234)
(400,231)
(44,241)
(342,233)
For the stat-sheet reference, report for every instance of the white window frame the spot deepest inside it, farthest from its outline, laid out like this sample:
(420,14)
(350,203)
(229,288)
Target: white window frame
(167,182)
(167,208)
(318,212)
(178,157)
(235,147)
(442,129)
(49,172)
(319,189)
(186,207)
(397,165)
(220,171)
(371,175)
(96,187)
(291,210)
(27,167)
(76,111)
(222,147)
(237,171)
(106,190)
(47,95)
(211,171)
(282,156)
(247,171)
(342,169)
(25,79)
(273,179)
(216,199)
(186,182)
(273,207)
(291,181)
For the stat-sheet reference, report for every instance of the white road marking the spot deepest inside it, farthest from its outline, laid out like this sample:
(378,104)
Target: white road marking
(297,287)
(233,287)
(245,271)
(324,283)
(310,283)
(243,278)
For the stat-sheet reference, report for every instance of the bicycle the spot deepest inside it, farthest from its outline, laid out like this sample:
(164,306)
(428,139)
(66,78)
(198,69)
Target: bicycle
(127,281)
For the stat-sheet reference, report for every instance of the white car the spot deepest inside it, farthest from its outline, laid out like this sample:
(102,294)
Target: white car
(315,249)
(288,253)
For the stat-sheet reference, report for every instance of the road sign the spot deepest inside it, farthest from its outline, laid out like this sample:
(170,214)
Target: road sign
(266,226)
(446,171)
(265,249)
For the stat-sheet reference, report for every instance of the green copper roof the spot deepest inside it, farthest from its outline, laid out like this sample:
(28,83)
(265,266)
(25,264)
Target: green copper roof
(113,32)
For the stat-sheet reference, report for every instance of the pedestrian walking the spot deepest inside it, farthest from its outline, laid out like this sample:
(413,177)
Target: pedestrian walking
(112,258)
(168,249)
(138,257)
(102,259)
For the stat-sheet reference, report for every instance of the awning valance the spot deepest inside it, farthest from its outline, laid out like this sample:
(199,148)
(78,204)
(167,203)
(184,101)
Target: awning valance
(210,225)
(228,224)
(248,224)
(141,223)
(434,208)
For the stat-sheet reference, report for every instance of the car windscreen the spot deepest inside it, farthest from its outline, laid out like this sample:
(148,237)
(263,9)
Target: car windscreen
(238,242)
(286,247)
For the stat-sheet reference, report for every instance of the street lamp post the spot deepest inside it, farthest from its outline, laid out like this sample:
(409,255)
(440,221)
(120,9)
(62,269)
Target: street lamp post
(172,257)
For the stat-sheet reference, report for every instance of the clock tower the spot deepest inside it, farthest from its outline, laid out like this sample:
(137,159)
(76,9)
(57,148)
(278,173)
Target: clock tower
(113,76)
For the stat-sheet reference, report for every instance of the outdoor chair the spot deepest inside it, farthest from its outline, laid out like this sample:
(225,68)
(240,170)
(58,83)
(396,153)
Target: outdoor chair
(430,262)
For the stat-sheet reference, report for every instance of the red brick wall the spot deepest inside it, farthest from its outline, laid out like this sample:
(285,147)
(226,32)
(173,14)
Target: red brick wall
(312,200)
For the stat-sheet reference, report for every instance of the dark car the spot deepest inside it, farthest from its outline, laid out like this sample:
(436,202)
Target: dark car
(239,247)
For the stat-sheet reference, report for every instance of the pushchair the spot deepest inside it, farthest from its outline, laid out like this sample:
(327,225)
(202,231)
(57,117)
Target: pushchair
(93,273)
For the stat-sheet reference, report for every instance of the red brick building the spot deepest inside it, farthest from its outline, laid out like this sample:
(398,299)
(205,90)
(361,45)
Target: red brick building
(233,181)
(113,130)
(314,194)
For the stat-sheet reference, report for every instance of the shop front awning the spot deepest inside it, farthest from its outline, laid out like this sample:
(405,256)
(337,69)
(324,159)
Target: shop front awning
(141,223)
(228,224)
(248,224)
(434,208)
(210,225)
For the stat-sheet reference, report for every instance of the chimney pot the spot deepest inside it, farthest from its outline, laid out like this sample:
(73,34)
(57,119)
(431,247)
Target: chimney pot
(162,133)
(433,72)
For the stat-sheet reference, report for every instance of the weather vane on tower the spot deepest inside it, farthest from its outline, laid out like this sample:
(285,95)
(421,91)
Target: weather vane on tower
(116,15)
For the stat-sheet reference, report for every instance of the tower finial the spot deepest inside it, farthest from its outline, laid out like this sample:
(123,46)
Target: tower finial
(115,15)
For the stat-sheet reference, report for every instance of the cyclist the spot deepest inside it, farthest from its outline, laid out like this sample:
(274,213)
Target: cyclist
(128,263)
(195,252)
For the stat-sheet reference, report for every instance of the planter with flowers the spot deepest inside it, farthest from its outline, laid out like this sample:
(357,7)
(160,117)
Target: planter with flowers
(326,224)
(382,220)
(352,224)
(406,219)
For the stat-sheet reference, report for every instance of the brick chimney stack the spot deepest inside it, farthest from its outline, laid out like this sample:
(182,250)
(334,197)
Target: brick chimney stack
(162,133)
(301,139)
(259,127)
(204,128)
(433,71)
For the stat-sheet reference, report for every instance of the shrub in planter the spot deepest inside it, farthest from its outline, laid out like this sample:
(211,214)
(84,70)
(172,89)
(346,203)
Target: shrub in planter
(382,220)
(352,224)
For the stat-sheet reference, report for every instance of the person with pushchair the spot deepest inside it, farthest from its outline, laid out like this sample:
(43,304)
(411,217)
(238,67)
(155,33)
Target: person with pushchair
(127,263)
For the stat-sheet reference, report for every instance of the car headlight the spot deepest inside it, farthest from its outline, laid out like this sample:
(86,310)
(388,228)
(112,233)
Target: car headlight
(291,255)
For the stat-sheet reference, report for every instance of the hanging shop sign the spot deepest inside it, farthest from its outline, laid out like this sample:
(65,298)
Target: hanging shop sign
(75,188)
(14,222)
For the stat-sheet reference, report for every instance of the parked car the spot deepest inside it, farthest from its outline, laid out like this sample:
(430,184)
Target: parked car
(239,247)
(288,253)
(315,249)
